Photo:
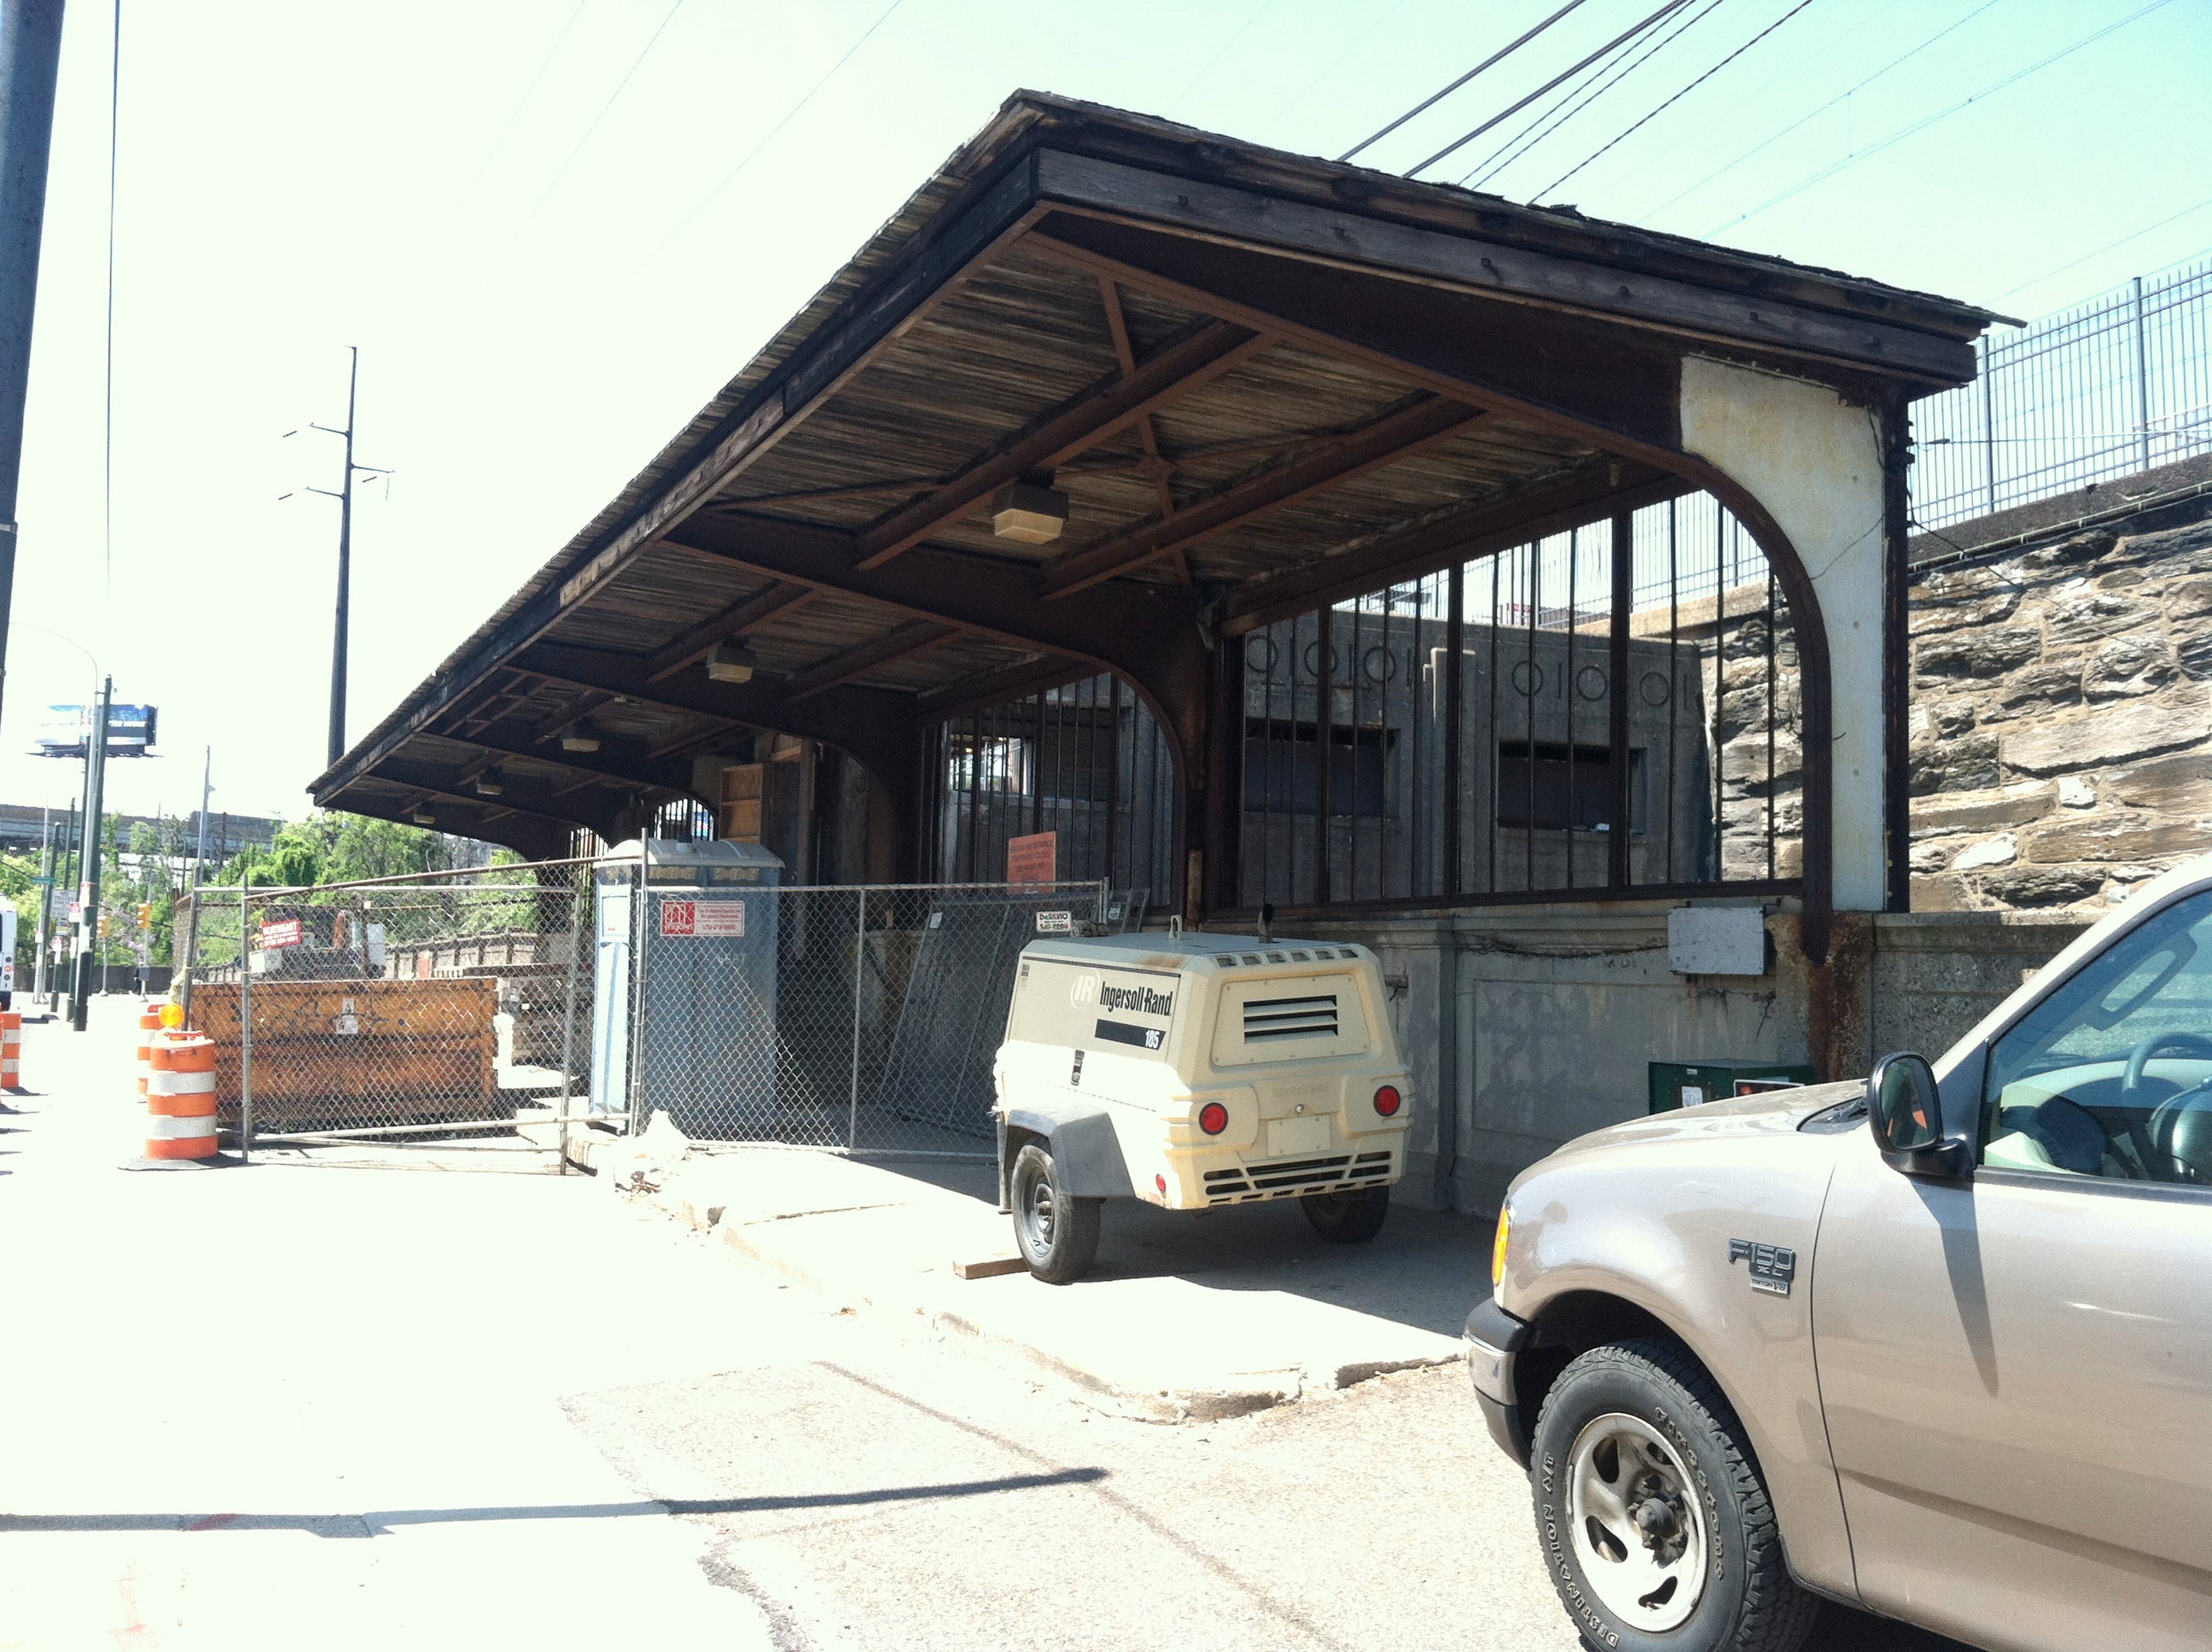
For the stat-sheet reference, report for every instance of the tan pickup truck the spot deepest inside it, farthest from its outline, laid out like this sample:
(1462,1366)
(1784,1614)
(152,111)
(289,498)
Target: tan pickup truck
(1938,1345)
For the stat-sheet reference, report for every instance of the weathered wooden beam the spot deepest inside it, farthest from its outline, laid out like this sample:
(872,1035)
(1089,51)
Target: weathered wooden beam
(1004,683)
(1103,409)
(437,783)
(1483,527)
(561,721)
(614,767)
(1385,441)
(735,621)
(910,639)
(1155,465)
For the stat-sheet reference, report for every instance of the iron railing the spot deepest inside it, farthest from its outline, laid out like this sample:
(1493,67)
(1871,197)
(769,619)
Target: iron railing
(2117,385)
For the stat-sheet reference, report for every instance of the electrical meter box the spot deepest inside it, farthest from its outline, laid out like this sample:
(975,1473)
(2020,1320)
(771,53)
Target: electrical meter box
(1690,1083)
(1194,1072)
(683,994)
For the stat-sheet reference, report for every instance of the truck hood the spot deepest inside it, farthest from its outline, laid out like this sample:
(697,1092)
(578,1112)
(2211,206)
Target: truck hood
(1776,1112)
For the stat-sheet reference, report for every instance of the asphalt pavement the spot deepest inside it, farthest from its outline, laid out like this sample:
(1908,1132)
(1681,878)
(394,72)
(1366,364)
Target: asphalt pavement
(471,1403)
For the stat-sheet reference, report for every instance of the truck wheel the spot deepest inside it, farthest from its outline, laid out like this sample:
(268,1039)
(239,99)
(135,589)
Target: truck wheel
(1058,1234)
(1654,1519)
(1348,1219)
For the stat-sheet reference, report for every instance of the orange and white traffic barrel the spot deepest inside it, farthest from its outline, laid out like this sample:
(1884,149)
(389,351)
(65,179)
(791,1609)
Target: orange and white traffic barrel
(180,1095)
(11,1049)
(149,1023)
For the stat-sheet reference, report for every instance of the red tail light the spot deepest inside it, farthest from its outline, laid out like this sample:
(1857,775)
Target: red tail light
(1388,1100)
(1213,1118)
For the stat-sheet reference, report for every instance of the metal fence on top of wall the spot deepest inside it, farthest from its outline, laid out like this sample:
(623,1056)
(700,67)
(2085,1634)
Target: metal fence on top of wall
(2114,385)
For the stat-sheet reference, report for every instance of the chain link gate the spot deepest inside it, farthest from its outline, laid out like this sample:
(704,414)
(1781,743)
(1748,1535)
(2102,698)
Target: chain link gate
(505,1008)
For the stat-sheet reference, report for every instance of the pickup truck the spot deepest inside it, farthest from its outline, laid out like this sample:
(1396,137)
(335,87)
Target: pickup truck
(1936,1345)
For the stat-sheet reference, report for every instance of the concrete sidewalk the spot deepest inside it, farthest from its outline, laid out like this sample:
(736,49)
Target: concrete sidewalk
(1188,1315)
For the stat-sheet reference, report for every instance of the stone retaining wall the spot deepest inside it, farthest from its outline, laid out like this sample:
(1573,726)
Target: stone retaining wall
(2061,717)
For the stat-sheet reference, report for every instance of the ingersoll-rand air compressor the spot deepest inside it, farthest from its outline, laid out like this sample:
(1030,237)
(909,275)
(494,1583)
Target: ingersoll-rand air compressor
(1194,1072)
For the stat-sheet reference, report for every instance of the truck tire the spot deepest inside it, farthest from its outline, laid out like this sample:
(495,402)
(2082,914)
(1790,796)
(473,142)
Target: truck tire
(1651,1513)
(1058,1235)
(1347,1218)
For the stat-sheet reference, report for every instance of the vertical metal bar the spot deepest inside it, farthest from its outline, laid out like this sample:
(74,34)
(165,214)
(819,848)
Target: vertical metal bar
(974,791)
(859,958)
(1773,714)
(1036,763)
(1989,422)
(1536,686)
(1674,683)
(1572,689)
(1325,757)
(1617,866)
(244,1033)
(1493,792)
(1720,646)
(2142,380)
(640,963)
(1455,707)
(577,888)
(1355,668)
(1113,778)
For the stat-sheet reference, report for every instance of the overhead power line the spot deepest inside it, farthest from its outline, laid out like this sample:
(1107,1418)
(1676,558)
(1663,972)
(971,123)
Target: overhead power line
(2109,246)
(636,62)
(1922,125)
(1542,124)
(1840,97)
(1434,98)
(789,115)
(528,92)
(1507,113)
(1672,101)
(1576,102)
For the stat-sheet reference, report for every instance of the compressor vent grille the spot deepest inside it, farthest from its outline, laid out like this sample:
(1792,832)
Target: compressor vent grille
(1267,1018)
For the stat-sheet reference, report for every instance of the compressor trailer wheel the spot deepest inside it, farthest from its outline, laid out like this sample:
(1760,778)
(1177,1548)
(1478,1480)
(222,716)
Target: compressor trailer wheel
(1058,1234)
(1347,1218)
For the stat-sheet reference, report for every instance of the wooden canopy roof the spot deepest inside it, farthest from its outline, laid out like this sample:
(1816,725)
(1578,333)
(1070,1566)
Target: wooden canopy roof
(1262,380)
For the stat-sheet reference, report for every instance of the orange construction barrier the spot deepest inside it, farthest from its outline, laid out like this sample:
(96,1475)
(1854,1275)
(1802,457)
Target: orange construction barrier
(180,1095)
(11,1049)
(149,1023)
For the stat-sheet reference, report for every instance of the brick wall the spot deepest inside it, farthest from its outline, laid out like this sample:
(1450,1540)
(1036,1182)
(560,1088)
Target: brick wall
(2062,714)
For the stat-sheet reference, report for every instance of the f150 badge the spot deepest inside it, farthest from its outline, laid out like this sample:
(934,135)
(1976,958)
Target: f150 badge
(1772,1267)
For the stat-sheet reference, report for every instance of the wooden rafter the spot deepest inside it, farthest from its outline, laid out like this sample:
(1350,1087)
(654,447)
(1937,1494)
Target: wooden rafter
(864,656)
(1385,441)
(1201,354)
(735,621)
(1157,468)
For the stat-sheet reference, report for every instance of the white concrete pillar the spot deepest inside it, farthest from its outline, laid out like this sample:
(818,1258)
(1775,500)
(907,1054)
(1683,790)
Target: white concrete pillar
(1813,462)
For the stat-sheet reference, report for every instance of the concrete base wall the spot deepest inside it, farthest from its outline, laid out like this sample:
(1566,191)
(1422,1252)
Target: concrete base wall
(1529,1026)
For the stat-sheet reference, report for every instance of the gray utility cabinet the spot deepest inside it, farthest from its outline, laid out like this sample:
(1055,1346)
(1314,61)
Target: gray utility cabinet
(685,1018)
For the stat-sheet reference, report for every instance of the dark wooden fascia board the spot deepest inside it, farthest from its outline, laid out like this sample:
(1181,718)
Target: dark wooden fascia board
(1306,230)
(1206,350)
(1385,441)
(1414,552)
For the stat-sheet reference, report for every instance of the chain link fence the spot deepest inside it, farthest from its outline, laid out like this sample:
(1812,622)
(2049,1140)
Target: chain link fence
(510,1006)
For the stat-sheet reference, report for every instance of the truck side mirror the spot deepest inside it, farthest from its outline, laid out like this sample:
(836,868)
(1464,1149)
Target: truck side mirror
(1905,1112)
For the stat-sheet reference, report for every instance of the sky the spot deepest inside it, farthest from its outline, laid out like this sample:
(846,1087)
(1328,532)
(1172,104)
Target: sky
(555,229)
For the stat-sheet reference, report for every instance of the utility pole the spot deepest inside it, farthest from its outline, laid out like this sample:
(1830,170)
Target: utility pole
(65,878)
(30,53)
(344,494)
(96,782)
(45,901)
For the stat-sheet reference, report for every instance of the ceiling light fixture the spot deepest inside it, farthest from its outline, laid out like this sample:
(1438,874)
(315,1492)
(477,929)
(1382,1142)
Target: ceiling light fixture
(582,737)
(424,818)
(490,784)
(1029,512)
(730,662)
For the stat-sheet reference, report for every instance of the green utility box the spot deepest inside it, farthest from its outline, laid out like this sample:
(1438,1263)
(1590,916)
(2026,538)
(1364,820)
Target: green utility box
(1687,1083)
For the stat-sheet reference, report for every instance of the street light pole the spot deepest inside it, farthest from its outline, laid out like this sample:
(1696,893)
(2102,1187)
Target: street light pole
(96,781)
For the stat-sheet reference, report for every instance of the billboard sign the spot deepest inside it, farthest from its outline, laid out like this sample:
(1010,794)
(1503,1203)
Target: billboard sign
(66,731)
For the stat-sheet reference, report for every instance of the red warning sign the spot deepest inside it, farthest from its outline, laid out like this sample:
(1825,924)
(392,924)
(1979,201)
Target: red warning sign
(1033,859)
(693,918)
